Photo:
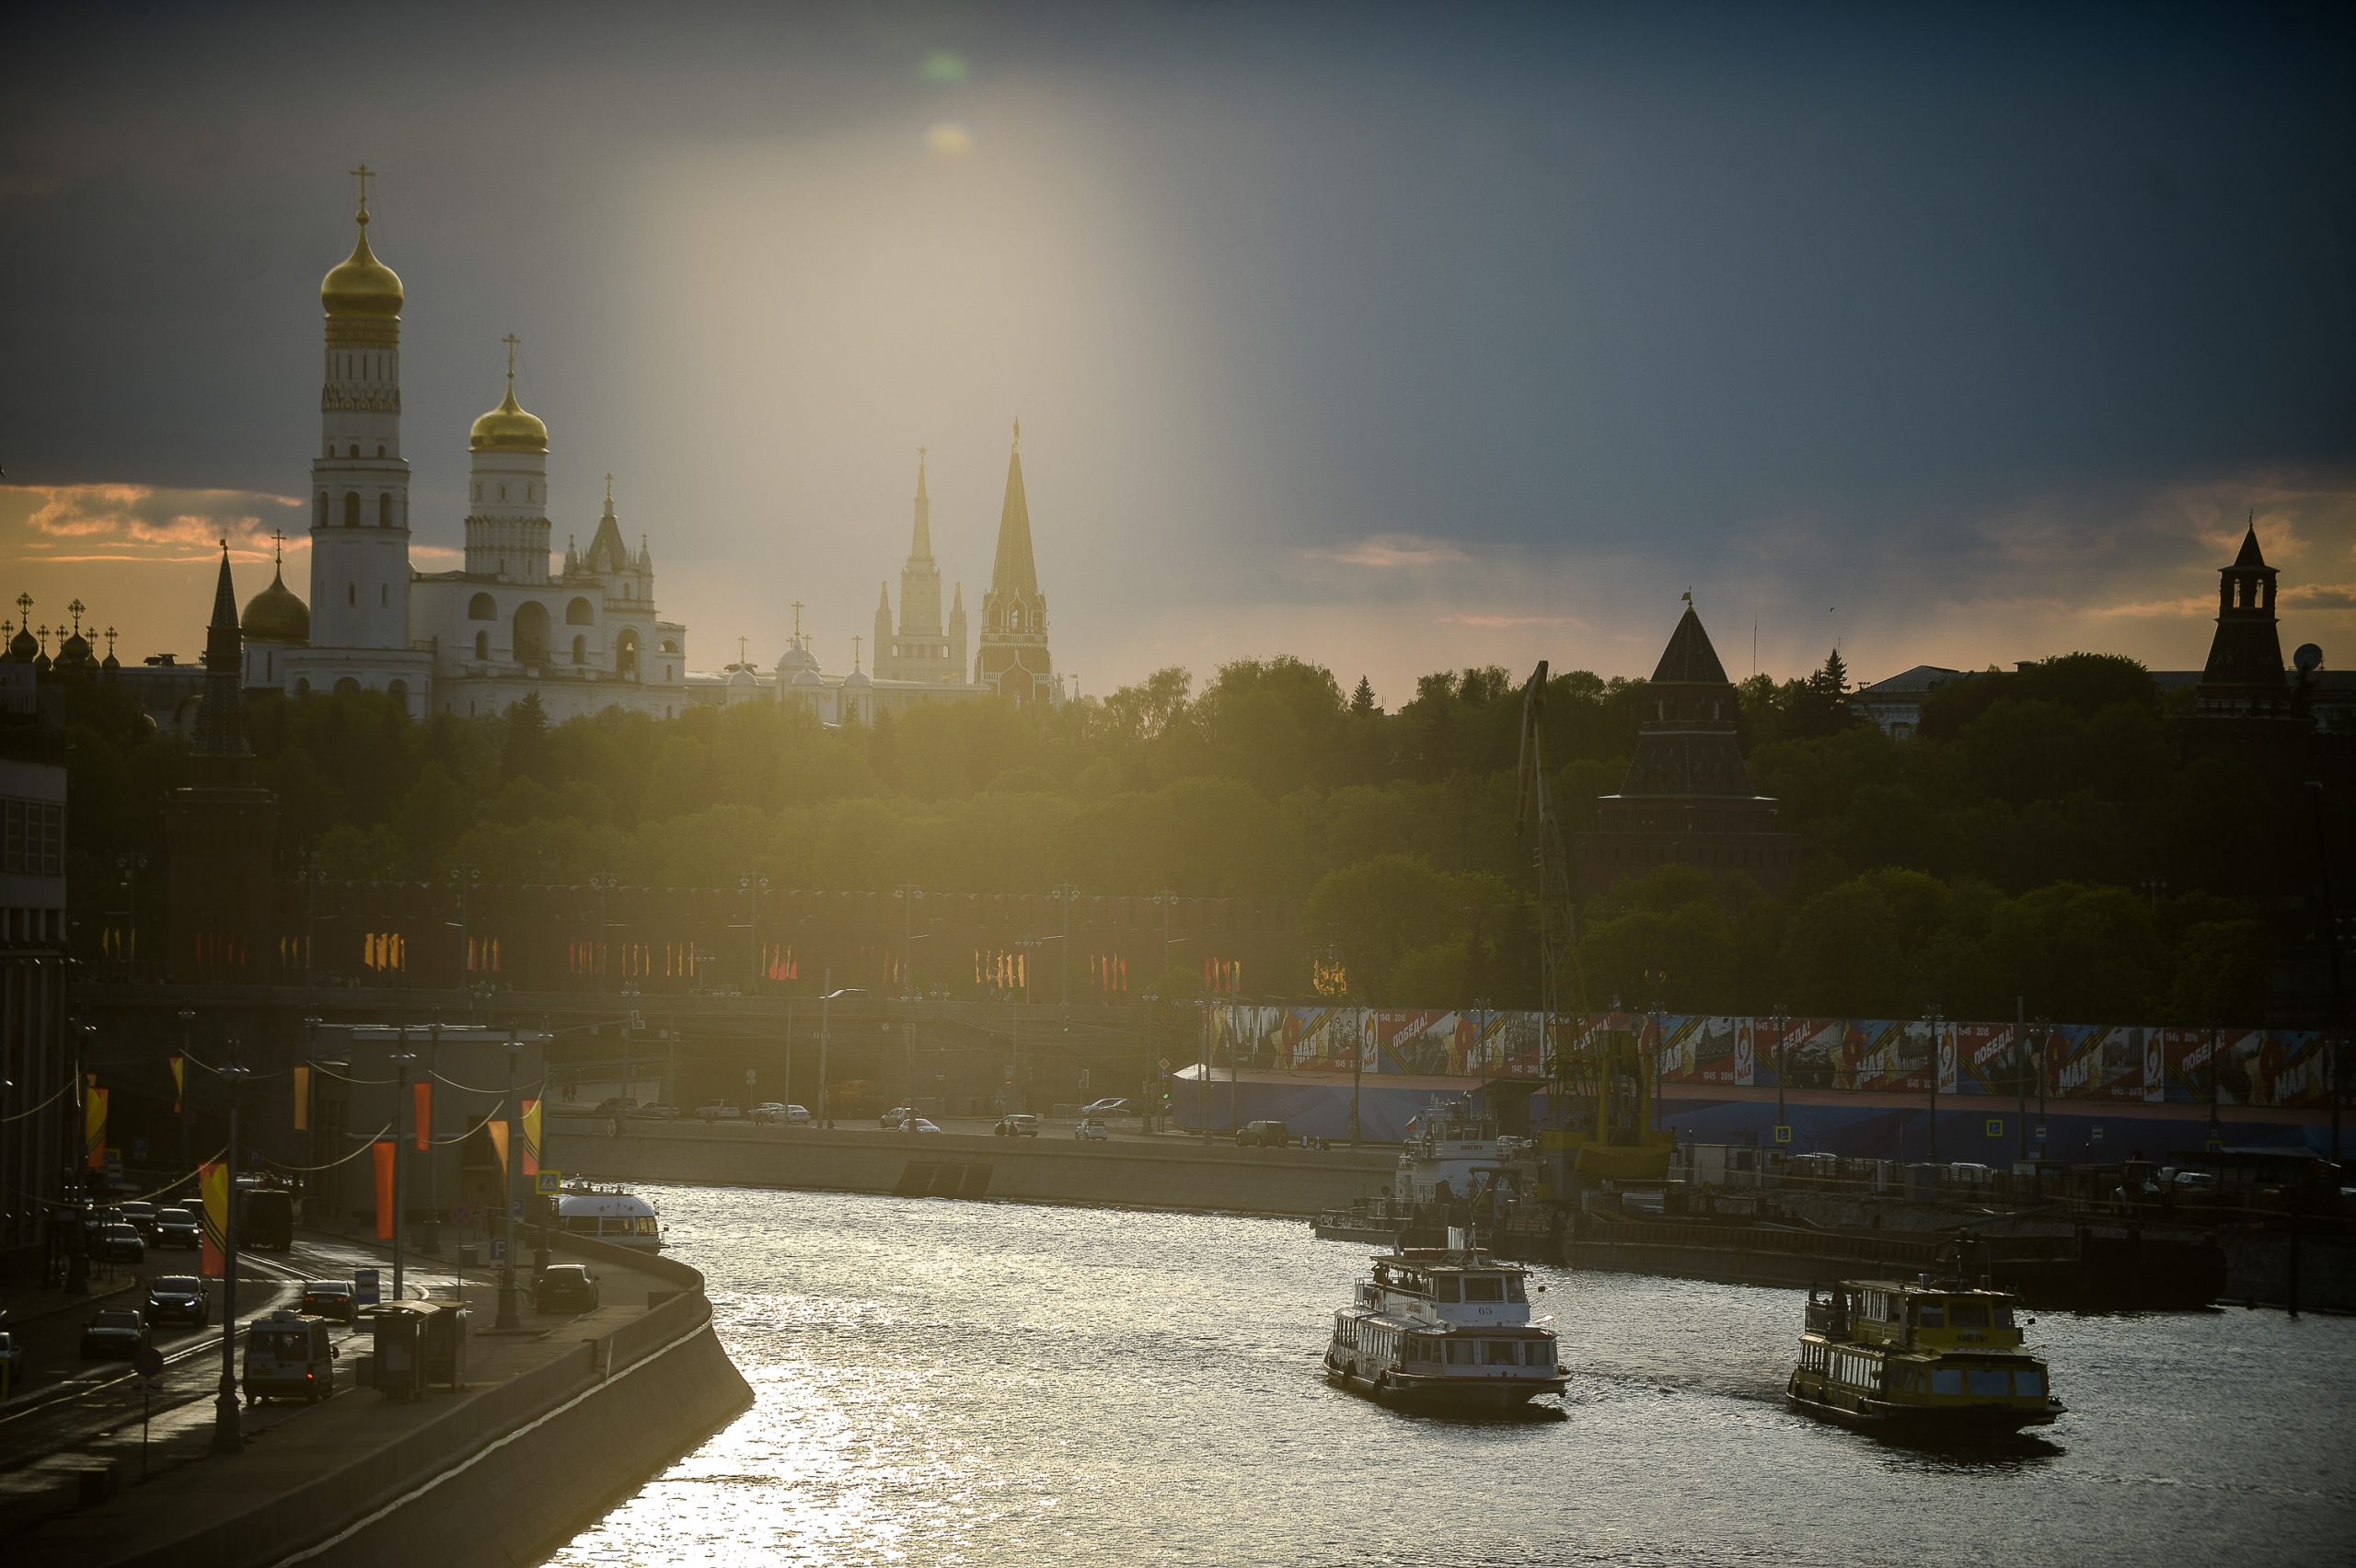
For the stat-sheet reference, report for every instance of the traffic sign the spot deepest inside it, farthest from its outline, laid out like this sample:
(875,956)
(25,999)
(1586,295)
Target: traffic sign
(547,1183)
(1783,1132)
(1995,1126)
(2097,1135)
(147,1361)
(366,1291)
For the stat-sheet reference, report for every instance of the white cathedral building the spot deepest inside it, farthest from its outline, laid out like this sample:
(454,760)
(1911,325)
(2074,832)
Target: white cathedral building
(471,641)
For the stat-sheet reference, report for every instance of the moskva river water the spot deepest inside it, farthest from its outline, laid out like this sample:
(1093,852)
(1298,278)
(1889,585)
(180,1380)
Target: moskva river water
(945,1382)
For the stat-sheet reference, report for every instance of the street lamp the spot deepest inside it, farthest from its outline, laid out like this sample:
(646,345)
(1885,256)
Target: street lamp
(315,876)
(431,1244)
(1067,891)
(1782,1023)
(826,1001)
(753,885)
(1934,1021)
(604,882)
(229,1433)
(129,865)
(507,1315)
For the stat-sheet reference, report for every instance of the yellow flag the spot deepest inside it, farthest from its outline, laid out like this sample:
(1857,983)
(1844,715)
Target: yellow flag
(94,1128)
(531,1137)
(498,1126)
(213,1181)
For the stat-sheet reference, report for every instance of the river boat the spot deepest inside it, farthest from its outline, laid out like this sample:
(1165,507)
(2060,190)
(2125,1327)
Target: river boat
(1925,1361)
(1444,1330)
(609,1214)
(1450,1155)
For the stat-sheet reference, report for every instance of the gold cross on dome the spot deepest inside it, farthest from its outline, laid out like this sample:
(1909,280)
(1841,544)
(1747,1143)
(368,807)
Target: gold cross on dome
(25,607)
(740,649)
(510,340)
(277,545)
(797,622)
(362,174)
(77,608)
(854,652)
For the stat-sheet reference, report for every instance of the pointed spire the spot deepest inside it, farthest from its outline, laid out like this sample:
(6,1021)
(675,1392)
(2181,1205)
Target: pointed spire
(920,544)
(645,555)
(1015,573)
(225,594)
(1689,657)
(571,554)
(2250,554)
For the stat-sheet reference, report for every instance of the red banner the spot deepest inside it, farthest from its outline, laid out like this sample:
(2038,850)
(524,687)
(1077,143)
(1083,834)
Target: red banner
(423,1089)
(386,1151)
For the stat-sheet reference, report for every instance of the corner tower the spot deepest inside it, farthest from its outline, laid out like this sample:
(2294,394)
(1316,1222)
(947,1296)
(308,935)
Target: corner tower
(507,491)
(919,650)
(2244,676)
(360,480)
(1013,660)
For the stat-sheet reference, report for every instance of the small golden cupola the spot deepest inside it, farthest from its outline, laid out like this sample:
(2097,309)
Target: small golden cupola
(275,614)
(508,428)
(360,284)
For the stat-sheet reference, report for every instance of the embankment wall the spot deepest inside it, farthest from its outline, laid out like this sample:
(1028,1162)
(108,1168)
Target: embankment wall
(1160,1173)
(512,1474)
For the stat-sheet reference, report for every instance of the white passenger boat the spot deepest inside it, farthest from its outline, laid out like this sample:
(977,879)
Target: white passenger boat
(612,1214)
(1444,1329)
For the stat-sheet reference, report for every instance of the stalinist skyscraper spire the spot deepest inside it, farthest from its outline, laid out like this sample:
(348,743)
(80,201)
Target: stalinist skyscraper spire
(921,650)
(1013,660)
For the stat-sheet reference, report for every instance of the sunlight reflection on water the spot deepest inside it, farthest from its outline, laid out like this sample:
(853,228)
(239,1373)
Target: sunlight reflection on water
(960,1383)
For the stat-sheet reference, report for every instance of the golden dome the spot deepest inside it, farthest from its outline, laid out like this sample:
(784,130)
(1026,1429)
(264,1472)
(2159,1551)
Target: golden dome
(360,284)
(275,614)
(508,428)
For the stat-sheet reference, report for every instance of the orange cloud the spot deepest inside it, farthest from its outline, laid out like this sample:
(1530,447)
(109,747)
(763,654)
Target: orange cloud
(141,522)
(1383,551)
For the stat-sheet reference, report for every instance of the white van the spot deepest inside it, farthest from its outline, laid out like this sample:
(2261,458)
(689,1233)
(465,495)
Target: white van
(288,1357)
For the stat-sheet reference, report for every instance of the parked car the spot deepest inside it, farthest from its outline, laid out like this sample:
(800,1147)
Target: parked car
(1017,1124)
(1263,1135)
(122,1242)
(566,1287)
(613,1105)
(1108,1107)
(918,1124)
(1091,1130)
(175,1227)
(178,1298)
(655,1112)
(890,1120)
(334,1299)
(778,1115)
(114,1332)
(12,1364)
(718,1110)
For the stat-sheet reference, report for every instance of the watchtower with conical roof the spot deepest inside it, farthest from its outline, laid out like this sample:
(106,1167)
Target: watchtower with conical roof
(1013,660)
(1687,799)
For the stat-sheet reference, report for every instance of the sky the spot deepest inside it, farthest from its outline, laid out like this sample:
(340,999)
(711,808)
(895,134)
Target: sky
(1394,337)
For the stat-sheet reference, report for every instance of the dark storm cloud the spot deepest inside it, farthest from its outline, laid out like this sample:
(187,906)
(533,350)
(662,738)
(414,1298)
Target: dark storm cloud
(1443,301)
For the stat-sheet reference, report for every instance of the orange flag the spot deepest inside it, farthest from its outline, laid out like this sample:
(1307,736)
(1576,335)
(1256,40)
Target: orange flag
(498,1127)
(423,1089)
(301,1098)
(386,1151)
(179,1083)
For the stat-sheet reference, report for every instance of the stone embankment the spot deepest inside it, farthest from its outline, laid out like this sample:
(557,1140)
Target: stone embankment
(1167,1172)
(554,1424)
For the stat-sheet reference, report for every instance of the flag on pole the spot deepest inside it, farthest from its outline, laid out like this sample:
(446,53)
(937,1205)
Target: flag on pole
(213,1220)
(423,1089)
(383,1150)
(531,1137)
(180,1084)
(498,1127)
(301,1097)
(94,1127)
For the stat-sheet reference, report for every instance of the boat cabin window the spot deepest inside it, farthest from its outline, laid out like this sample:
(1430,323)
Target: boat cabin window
(1444,1288)
(1460,1352)
(1501,1352)
(2003,1314)
(1947,1379)
(1536,1353)
(1932,1314)
(1484,1288)
(2029,1380)
(1967,1314)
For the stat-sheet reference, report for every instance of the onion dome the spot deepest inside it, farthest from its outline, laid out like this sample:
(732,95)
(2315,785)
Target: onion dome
(75,653)
(360,284)
(275,614)
(22,647)
(508,428)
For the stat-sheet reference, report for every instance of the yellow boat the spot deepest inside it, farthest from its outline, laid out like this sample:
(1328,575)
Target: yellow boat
(1920,1361)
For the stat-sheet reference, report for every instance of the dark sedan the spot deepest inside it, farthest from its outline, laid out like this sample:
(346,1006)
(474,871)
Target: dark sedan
(120,1241)
(115,1332)
(331,1298)
(567,1287)
(175,1227)
(178,1298)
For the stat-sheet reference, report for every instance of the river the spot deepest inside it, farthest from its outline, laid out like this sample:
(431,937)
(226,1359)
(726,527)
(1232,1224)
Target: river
(970,1383)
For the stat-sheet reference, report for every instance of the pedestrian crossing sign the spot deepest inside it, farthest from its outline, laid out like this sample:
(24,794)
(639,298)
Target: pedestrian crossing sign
(1783,1132)
(547,1183)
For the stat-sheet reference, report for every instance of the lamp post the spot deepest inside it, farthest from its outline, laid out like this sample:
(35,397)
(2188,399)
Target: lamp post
(188,1024)
(468,878)
(604,882)
(1067,891)
(1783,1026)
(2044,1034)
(228,1432)
(130,866)
(1151,1077)
(825,1038)
(507,1315)
(2216,1043)
(1933,1143)
(909,893)
(402,1058)
(1480,1042)
(754,885)
(315,876)
(431,1244)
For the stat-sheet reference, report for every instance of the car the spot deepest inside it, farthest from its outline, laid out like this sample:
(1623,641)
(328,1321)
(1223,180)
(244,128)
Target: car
(718,1110)
(918,1124)
(139,1213)
(12,1363)
(1263,1135)
(613,1105)
(120,1241)
(1017,1124)
(175,1227)
(334,1299)
(774,1114)
(114,1332)
(1107,1107)
(890,1120)
(1092,1130)
(178,1298)
(655,1112)
(566,1287)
